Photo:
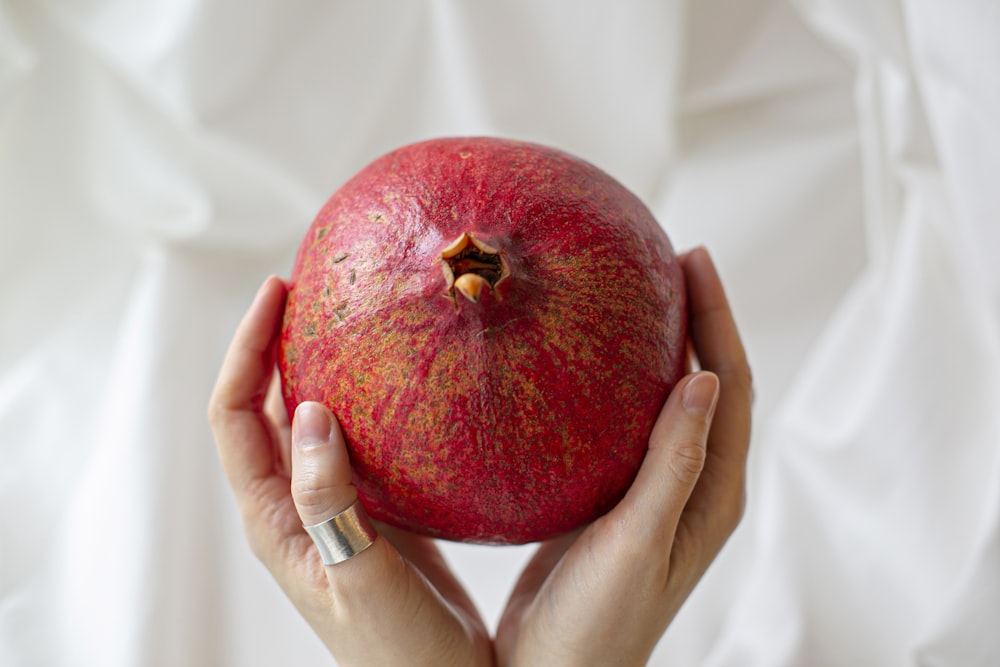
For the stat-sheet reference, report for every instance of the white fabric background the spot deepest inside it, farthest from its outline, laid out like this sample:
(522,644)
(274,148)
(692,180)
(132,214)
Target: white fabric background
(839,158)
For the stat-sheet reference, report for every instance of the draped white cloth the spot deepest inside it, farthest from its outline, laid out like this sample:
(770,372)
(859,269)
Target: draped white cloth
(838,157)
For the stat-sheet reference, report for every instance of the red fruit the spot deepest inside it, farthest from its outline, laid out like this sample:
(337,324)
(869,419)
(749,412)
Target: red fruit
(496,325)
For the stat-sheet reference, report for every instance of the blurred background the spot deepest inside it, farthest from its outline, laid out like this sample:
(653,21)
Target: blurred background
(839,158)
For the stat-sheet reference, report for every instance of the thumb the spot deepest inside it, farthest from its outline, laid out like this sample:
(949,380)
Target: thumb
(376,593)
(677,451)
(321,470)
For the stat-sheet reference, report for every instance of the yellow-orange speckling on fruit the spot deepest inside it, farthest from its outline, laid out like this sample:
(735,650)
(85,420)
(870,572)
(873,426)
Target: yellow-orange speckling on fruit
(496,324)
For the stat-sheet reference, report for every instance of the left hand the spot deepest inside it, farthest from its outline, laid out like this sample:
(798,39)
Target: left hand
(606,594)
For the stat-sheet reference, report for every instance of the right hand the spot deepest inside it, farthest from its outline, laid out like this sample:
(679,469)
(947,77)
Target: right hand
(395,603)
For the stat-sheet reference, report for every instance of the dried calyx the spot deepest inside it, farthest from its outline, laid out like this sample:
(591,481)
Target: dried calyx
(470,266)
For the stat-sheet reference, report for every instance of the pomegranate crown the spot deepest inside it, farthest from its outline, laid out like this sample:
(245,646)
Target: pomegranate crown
(470,267)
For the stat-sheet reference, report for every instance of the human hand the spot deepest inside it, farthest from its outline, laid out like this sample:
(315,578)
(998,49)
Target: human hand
(395,603)
(581,600)
(605,595)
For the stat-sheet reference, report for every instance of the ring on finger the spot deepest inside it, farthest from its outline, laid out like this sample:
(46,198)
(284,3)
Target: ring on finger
(343,535)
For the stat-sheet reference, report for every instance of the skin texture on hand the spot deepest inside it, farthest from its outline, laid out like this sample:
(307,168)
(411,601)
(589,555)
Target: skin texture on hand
(600,595)
(607,595)
(395,603)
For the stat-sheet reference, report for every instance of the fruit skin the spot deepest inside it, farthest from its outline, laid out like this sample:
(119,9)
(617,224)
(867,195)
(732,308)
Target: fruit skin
(514,418)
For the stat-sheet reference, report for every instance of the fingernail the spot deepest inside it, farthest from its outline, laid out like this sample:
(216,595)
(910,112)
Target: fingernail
(311,425)
(700,394)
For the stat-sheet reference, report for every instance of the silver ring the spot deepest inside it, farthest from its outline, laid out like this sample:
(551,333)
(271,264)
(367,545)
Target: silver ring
(343,535)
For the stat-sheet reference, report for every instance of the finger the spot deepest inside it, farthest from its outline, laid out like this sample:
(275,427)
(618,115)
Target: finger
(281,425)
(598,571)
(672,465)
(321,471)
(713,328)
(384,611)
(242,436)
(320,489)
(719,495)
(246,440)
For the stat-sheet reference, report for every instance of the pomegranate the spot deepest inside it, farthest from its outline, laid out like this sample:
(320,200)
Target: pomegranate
(496,324)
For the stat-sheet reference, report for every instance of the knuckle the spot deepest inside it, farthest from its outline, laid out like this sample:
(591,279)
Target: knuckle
(214,412)
(687,460)
(315,499)
(220,414)
(308,494)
